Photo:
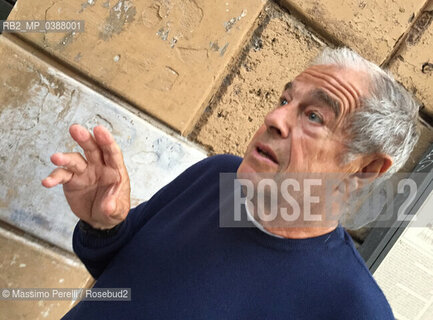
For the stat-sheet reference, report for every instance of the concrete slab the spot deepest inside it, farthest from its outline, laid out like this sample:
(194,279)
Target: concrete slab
(370,27)
(279,49)
(413,64)
(38,103)
(26,263)
(163,56)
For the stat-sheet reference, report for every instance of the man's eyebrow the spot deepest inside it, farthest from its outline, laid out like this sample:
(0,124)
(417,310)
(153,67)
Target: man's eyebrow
(288,85)
(324,97)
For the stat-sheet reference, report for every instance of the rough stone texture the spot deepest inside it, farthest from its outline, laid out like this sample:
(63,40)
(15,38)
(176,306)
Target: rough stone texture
(26,263)
(371,27)
(278,51)
(163,56)
(413,64)
(38,103)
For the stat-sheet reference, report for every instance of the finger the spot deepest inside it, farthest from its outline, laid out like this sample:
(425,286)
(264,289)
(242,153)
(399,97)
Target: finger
(86,141)
(110,150)
(72,161)
(57,176)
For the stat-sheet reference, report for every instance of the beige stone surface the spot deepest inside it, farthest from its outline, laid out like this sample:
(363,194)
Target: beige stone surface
(27,263)
(413,64)
(278,51)
(371,27)
(163,56)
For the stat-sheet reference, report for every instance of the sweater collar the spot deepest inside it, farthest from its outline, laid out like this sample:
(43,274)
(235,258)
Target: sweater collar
(273,240)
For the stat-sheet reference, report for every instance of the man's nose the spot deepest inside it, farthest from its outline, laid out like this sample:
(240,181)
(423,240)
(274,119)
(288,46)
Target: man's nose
(280,121)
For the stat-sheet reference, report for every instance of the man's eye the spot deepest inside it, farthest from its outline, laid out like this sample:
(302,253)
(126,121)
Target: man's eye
(313,116)
(283,101)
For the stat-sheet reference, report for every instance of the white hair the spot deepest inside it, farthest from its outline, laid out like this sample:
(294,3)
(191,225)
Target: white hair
(386,123)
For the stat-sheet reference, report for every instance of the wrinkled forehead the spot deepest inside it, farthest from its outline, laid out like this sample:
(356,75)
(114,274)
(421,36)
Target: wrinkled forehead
(345,86)
(333,77)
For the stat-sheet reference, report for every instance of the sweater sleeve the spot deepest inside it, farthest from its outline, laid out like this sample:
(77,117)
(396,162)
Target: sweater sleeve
(96,251)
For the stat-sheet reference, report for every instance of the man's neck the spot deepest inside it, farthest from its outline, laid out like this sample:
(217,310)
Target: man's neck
(307,230)
(300,233)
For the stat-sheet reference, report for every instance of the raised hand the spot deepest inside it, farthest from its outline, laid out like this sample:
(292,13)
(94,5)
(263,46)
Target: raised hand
(97,187)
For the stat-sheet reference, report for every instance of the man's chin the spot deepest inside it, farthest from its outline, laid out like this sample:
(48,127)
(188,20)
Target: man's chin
(251,164)
(247,171)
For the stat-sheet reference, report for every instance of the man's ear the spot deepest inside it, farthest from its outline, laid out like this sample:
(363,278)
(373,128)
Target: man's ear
(371,167)
(378,165)
(365,170)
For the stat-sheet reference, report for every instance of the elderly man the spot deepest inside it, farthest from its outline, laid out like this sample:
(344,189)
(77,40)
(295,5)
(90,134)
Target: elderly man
(343,115)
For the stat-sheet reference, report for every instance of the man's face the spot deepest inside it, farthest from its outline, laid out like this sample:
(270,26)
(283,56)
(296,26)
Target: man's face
(305,132)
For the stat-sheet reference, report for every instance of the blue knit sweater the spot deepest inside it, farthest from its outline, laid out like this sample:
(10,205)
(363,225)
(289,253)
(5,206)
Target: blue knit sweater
(180,264)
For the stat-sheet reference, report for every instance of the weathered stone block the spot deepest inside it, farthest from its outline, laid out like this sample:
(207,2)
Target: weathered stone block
(38,103)
(370,27)
(163,56)
(26,263)
(413,64)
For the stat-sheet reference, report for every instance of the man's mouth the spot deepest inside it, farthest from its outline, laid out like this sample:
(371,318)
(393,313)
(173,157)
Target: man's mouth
(266,152)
